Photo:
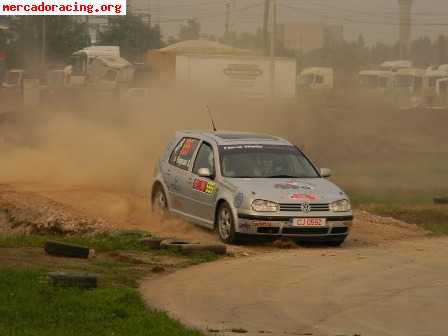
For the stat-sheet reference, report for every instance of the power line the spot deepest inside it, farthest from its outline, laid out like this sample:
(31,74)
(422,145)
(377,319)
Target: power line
(208,17)
(326,5)
(350,20)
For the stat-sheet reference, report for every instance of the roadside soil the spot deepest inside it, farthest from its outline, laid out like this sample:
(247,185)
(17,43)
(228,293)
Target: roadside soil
(36,208)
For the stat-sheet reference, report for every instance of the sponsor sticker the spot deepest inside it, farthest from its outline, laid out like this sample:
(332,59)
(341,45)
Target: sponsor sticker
(302,197)
(186,147)
(207,187)
(286,186)
(293,186)
(238,201)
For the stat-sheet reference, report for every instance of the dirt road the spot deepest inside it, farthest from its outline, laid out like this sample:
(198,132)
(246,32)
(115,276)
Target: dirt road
(397,289)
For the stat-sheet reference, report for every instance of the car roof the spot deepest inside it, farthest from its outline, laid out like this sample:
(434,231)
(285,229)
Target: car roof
(232,137)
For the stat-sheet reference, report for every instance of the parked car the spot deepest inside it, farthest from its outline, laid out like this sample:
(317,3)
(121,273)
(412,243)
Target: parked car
(249,184)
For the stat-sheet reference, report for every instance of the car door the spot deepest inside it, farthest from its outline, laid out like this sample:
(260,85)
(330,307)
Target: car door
(203,190)
(178,175)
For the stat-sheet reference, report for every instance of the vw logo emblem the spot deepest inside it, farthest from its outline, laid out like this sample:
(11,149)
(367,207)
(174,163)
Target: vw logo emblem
(306,207)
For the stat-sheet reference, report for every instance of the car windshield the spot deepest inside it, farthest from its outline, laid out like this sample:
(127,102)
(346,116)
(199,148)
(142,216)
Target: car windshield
(264,161)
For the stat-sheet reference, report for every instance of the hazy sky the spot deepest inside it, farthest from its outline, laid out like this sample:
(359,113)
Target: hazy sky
(376,19)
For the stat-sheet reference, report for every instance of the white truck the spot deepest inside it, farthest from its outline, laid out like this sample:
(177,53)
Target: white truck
(246,75)
(243,74)
(410,80)
(432,75)
(99,66)
(376,79)
(316,78)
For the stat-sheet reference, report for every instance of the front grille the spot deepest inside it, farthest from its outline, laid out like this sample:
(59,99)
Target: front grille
(297,207)
(305,230)
(270,230)
(339,230)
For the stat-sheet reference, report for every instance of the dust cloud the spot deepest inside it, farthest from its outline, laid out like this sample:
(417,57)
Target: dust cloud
(98,155)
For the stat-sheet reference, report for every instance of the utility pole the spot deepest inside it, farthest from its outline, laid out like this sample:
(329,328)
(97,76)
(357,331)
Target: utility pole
(272,51)
(159,12)
(227,22)
(267,4)
(87,30)
(43,49)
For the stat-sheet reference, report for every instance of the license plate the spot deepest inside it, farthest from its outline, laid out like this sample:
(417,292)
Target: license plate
(309,222)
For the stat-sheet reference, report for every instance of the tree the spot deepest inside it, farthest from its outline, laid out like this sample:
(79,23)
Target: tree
(132,34)
(422,52)
(190,31)
(441,49)
(64,35)
(245,40)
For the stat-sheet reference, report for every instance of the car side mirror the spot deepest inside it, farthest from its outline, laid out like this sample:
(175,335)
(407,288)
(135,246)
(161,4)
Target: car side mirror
(325,172)
(205,172)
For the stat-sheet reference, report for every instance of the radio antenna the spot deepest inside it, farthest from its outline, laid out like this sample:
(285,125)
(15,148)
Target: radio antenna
(211,118)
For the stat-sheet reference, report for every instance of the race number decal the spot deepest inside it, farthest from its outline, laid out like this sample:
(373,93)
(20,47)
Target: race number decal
(306,197)
(186,147)
(204,186)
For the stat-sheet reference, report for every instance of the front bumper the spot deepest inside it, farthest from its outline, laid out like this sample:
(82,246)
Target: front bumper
(336,226)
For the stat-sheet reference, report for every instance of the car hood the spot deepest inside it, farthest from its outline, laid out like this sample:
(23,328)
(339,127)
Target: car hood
(312,190)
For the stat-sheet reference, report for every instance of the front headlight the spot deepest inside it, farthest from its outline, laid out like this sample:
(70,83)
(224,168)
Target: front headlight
(340,206)
(265,206)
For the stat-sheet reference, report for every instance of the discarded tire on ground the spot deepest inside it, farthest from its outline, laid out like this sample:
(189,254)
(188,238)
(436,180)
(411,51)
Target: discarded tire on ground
(185,246)
(153,242)
(63,279)
(60,249)
(175,244)
(215,248)
(441,200)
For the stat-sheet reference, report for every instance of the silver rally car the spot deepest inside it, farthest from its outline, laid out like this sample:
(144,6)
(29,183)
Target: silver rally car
(249,184)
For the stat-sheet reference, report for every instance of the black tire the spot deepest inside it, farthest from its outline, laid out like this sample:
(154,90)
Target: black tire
(60,249)
(193,248)
(441,200)
(225,225)
(62,279)
(159,201)
(153,243)
(175,244)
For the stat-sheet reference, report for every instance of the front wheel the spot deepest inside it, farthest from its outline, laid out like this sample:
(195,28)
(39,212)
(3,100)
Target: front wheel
(225,225)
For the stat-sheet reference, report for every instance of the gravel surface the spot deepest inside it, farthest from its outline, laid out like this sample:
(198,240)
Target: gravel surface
(39,209)
(27,212)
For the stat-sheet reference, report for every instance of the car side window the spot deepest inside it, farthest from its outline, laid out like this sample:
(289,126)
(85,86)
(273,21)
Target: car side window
(183,152)
(205,159)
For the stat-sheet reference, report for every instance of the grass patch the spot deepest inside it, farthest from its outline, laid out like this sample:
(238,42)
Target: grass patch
(100,242)
(104,242)
(430,217)
(121,259)
(29,306)
(410,207)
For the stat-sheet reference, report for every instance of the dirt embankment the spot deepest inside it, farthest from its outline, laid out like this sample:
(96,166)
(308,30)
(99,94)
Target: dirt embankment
(35,209)
(31,213)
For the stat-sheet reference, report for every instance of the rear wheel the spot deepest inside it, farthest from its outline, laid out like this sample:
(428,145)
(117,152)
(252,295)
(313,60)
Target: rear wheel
(225,225)
(159,201)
